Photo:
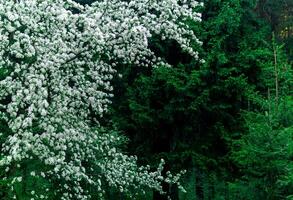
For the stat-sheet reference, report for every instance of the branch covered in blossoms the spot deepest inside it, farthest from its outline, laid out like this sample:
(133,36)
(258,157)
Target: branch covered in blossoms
(58,58)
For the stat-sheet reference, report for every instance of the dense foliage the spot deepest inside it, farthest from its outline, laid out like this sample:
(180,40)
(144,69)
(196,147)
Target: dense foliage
(199,116)
(85,86)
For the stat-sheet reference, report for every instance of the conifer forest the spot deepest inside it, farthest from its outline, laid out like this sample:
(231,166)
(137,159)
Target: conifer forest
(146,99)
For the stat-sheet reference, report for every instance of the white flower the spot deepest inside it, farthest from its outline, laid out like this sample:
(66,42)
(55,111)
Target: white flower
(43,112)
(19,179)
(63,81)
(6,169)
(10,28)
(43,174)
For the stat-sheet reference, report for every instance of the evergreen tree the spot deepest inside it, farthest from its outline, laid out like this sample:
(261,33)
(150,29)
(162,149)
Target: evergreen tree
(264,152)
(191,113)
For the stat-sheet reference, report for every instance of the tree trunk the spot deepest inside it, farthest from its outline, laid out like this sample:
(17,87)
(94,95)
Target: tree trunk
(276,74)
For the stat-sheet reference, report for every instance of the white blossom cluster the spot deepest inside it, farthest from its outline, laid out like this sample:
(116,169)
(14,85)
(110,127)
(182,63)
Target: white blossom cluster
(59,58)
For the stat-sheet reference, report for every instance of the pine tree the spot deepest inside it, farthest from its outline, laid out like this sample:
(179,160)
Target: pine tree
(264,152)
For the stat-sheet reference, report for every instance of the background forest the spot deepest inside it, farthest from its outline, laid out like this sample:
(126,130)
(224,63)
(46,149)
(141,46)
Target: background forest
(228,121)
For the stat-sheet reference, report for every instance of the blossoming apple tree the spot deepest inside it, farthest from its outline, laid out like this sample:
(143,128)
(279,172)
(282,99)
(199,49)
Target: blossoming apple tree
(57,59)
